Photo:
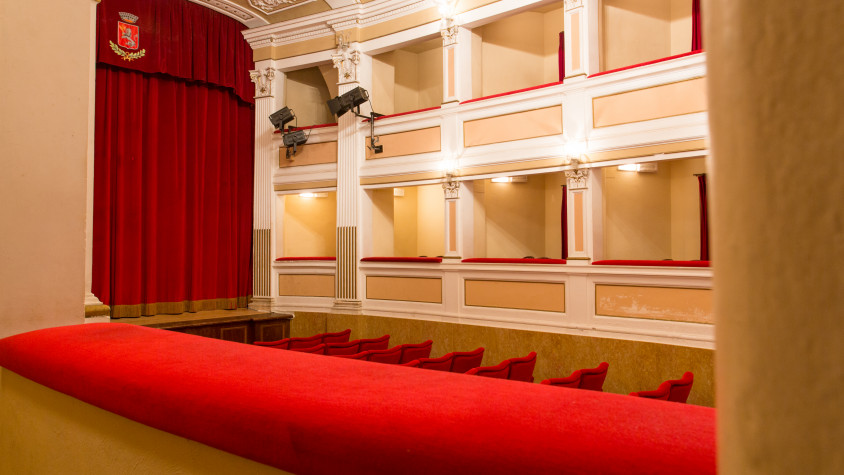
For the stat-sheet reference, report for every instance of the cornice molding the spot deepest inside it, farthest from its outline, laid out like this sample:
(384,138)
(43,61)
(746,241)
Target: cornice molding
(274,6)
(331,22)
(233,10)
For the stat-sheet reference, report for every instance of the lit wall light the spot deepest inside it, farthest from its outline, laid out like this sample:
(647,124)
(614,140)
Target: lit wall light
(312,195)
(639,167)
(510,179)
(398,191)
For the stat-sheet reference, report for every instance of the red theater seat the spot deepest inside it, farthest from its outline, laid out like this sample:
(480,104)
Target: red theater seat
(443,363)
(499,371)
(307,342)
(676,390)
(571,381)
(593,378)
(389,356)
(363,355)
(380,343)
(521,369)
(411,364)
(466,360)
(317,350)
(348,348)
(415,351)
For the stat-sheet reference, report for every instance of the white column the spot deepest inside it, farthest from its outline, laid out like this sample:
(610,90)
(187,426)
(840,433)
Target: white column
(453,228)
(354,70)
(95,310)
(582,34)
(584,215)
(457,62)
(263,290)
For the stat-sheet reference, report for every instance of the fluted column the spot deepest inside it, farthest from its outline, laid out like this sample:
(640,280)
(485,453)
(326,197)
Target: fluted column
(582,34)
(584,215)
(264,78)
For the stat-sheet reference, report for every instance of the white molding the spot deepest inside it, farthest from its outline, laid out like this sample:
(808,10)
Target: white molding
(233,10)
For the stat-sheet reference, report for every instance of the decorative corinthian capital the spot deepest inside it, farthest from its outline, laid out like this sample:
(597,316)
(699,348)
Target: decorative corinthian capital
(577,178)
(448,30)
(571,4)
(346,60)
(263,82)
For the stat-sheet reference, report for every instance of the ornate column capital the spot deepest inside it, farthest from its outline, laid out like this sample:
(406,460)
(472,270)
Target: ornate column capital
(263,82)
(577,178)
(448,30)
(572,4)
(346,60)
(451,189)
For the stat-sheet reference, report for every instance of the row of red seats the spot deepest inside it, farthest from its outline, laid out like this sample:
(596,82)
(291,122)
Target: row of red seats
(296,343)
(454,362)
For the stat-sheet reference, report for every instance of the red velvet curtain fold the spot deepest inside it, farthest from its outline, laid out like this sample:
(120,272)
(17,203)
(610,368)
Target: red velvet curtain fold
(172,195)
(704,219)
(564,223)
(697,27)
(561,57)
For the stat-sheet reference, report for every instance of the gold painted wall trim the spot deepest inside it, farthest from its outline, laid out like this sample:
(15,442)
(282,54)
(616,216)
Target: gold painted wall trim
(309,154)
(412,142)
(540,296)
(646,151)
(305,285)
(406,289)
(657,102)
(512,167)
(381,180)
(654,303)
(306,185)
(516,126)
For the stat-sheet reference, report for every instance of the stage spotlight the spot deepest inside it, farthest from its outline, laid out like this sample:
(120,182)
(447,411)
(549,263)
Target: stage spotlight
(281,117)
(348,101)
(294,139)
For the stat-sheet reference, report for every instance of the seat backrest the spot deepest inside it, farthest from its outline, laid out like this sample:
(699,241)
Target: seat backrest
(338,337)
(679,389)
(411,364)
(363,355)
(571,381)
(415,351)
(380,343)
(389,356)
(465,360)
(521,369)
(308,342)
(499,371)
(593,378)
(348,348)
(660,393)
(279,344)
(443,363)
(317,350)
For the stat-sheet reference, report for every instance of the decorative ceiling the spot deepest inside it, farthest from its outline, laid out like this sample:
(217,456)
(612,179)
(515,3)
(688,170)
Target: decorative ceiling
(255,13)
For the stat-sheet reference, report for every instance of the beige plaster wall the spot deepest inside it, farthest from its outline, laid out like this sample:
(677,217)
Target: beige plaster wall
(681,26)
(634,32)
(383,83)
(553,23)
(43,148)
(405,221)
(306,92)
(408,79)
(685,208)
(430,77)
(309,225)
(406,90)
(553,200)
(382,222)
(515,218)
(479,218)
(512,53)
(431,221)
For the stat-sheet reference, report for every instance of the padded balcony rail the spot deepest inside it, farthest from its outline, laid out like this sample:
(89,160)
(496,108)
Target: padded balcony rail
(402,259)
(315,258)
(639,65)
(502,94)
(498,260)
(636,262)
(308,127)
(335,415)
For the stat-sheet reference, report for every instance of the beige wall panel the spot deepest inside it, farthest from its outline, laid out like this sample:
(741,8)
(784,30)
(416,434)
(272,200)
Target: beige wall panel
(382,221)
(450,83)
(43,192)
(633,152)
(380,180)
(553,25)
(431,221)
(306,93)
(575,41)
(407,143)
(517,126)
(685,208)
(681,26)
(512,53)
(635,31)
(384,82)
(515,218)
(577,219)
(406,77)
(684,97)
(306,185)
(309,154)
(541,296)
(406,222)
(452,225)
(430,77)
(309,225)
(654,303)
(512,167)
(306,285)
(553,201)
(634,365)
(45,431)
(408,289)
(637,214)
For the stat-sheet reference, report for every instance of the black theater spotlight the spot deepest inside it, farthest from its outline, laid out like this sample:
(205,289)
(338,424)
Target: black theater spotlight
(281,117)
(351,101)
(294,139)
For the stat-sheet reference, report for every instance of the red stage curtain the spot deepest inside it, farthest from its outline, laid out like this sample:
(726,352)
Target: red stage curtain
(697,27)
(172,194)
(704,219)
(561,56)
(177,38)
(564,223)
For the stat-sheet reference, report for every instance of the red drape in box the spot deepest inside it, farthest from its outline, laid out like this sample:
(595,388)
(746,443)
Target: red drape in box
(177,38)
(561,57)
(697,27)
(704,219)
(564,223)
(172,195)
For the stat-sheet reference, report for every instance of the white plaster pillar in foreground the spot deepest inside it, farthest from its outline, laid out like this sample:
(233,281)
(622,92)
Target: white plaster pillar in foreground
(354,70)
(265,78)
(582,34)
(583,186)
(453,229)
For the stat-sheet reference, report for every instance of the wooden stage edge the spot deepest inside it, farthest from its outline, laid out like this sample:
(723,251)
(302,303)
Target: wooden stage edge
(241,325)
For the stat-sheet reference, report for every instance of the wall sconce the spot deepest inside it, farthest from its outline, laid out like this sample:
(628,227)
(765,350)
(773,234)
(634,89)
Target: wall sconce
(510,179)
(309,194)
(639,167)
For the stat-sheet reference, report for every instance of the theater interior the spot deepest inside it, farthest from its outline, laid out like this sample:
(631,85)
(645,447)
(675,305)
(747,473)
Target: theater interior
(419,236)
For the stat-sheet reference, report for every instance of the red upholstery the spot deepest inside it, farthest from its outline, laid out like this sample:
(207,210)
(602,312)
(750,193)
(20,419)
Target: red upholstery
(347,348)
(494,260)
(411,364)
(634,262)
(316,350)
(541,86)
(593,378)
(307,342)
(402,259)
(521,369)
(318,126)
(229,396)
(380,343)
(571,381)
(389,356)
(499,371)
(443,363)
(466,360)
(398,114)
(415,351)
(645,63)
(319,258)
(676,390)
(363,355)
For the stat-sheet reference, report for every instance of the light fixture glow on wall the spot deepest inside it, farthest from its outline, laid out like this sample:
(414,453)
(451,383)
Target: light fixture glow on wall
(312,195)
(639,167)
(510,179)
